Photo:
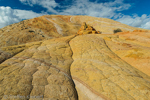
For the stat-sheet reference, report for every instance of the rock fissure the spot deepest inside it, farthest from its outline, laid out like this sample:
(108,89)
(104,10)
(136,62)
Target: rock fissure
(101,97)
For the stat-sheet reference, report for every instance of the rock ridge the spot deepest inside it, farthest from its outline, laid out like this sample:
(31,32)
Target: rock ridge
(109,72)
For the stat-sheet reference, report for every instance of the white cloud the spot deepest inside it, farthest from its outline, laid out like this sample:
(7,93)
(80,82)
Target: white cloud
(44,3)
(85,7)
(146,25)
(82,7)
(9,16)
(108,10)
(136,21)
(49,4)
(27,14)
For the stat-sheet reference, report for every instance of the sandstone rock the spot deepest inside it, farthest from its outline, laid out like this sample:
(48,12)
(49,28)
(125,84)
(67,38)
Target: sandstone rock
(140,31)
(75,67)
(133,47)
(49,66)
(100,75)
(39,72)
(52,25)
(86,29)
(98,32)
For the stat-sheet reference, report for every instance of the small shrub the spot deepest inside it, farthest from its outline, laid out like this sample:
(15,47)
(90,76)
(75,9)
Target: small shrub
(117,30)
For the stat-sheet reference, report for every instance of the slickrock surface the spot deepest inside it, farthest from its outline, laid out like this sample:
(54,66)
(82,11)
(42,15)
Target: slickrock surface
(102,72)
(44,59)
(54,26)
(36,29)
(69,68)
(133,47)
(41,70)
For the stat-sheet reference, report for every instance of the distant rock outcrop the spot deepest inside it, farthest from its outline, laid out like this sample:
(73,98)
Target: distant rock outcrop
(87,29)
(140,31)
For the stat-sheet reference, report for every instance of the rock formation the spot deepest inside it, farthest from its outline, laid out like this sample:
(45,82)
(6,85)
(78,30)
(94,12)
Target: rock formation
(55,26)
(73,67)
(86,29)
(140,31)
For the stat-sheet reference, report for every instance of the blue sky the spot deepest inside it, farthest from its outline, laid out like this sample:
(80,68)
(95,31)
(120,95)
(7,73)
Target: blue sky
(132,12)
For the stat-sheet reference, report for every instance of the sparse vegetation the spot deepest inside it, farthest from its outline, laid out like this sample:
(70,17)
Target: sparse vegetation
(117,30)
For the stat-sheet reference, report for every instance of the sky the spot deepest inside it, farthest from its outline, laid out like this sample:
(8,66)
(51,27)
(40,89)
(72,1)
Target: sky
(135,13)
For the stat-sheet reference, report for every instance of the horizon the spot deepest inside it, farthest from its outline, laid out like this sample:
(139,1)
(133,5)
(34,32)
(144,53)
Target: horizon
(132,13)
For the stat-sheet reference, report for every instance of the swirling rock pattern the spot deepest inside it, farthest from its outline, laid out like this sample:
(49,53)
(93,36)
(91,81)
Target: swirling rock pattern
(73,67)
